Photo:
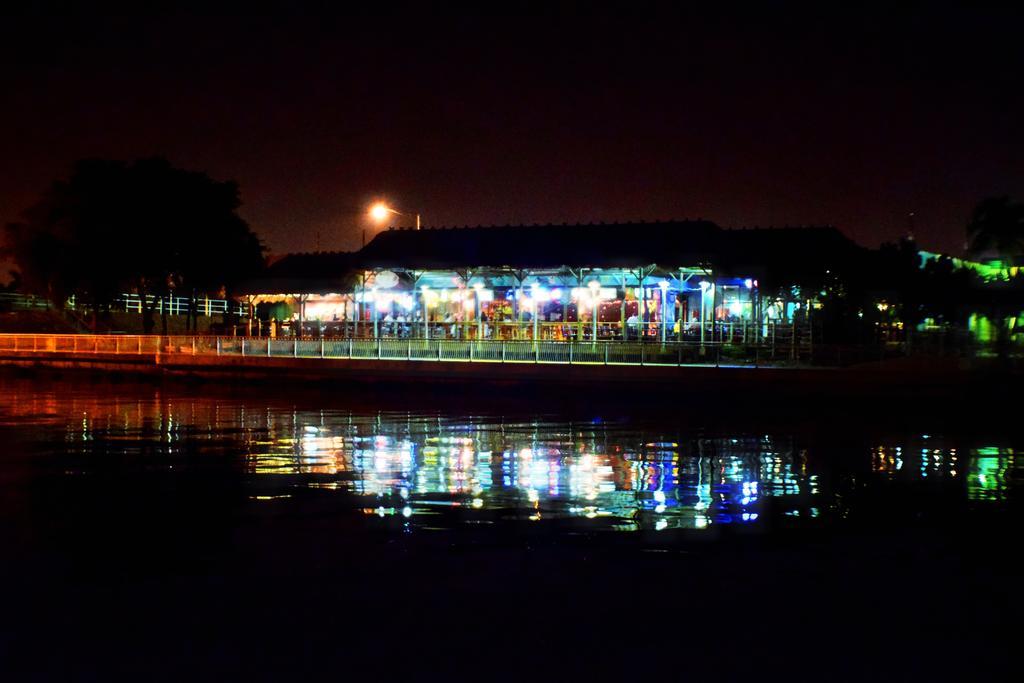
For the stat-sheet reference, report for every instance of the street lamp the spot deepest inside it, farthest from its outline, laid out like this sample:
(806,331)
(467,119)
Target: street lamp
(663,286)
(380,211)
(595,296)
(704,286)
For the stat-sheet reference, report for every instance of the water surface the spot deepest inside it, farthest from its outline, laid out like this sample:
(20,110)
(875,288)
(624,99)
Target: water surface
(196,531)
(456,468)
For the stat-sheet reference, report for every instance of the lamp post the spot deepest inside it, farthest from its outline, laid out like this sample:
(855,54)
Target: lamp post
(704,284)
(663,286)
(373,311)
(426,312)
(595,293)
(477,288)
(380,212)
(534,293)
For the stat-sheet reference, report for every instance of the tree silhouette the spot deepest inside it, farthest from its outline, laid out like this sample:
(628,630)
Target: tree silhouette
(145,227)
(997,225)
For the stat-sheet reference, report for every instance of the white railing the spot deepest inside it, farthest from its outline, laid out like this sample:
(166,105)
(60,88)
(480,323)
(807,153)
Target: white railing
(132,303)
(178,305)
(443,350)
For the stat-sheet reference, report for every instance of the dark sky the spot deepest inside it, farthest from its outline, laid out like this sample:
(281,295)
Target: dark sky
(787,114)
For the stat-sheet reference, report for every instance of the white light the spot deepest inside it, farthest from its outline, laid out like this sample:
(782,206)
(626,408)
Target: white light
(556,294)
(663,284)
(748,283)
(704,284)
(407,511)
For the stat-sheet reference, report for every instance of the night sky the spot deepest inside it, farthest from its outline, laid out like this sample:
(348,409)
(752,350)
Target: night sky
(784,115)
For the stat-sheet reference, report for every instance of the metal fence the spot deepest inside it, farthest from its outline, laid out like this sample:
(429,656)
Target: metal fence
(130,303)
(470,351)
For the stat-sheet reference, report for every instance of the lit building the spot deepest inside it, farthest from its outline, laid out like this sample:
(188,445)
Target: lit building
(679,280)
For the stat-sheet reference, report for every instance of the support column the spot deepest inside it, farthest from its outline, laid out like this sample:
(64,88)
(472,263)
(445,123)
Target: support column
(622,310)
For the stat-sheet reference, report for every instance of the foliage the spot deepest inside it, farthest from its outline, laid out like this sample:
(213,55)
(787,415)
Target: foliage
(997,227)
(145,227)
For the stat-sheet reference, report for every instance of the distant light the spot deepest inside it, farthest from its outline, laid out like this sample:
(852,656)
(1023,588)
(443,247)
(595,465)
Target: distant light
(593,284)
(704,284)
(380,212)
(663,284)
(736,308)
(748,283)
(556,294)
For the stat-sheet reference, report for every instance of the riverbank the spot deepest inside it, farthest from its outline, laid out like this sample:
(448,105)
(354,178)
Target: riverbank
(901,376)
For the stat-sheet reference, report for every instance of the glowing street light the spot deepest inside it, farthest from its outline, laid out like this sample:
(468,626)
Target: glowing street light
(380,212)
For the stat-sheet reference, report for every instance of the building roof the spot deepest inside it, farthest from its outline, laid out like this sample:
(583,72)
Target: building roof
(751,252)
(600,245)
(670,244)
(305,273)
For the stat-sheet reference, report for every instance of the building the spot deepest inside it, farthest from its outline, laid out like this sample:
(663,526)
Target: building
(685,280)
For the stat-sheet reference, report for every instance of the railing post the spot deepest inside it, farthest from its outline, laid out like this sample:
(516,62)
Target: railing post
(295,347)
(606,353)
(502,351)
(193,346)
(95,345)
(321,347)
(470,351)
(218,346)
(350,349)
(268,346)
(139,340)
(571,344)
(641,353)
(408,354)
(243,347)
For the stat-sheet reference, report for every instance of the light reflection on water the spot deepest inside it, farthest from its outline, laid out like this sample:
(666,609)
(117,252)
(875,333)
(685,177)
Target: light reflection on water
(443,470)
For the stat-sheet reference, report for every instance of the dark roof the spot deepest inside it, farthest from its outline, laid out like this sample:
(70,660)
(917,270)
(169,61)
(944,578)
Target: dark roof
(306,273)
(786,250)
(609,245)
(671,244)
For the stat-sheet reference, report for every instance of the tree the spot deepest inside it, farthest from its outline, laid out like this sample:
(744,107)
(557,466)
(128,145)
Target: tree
(997,226)
(14,285)
(145,227)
